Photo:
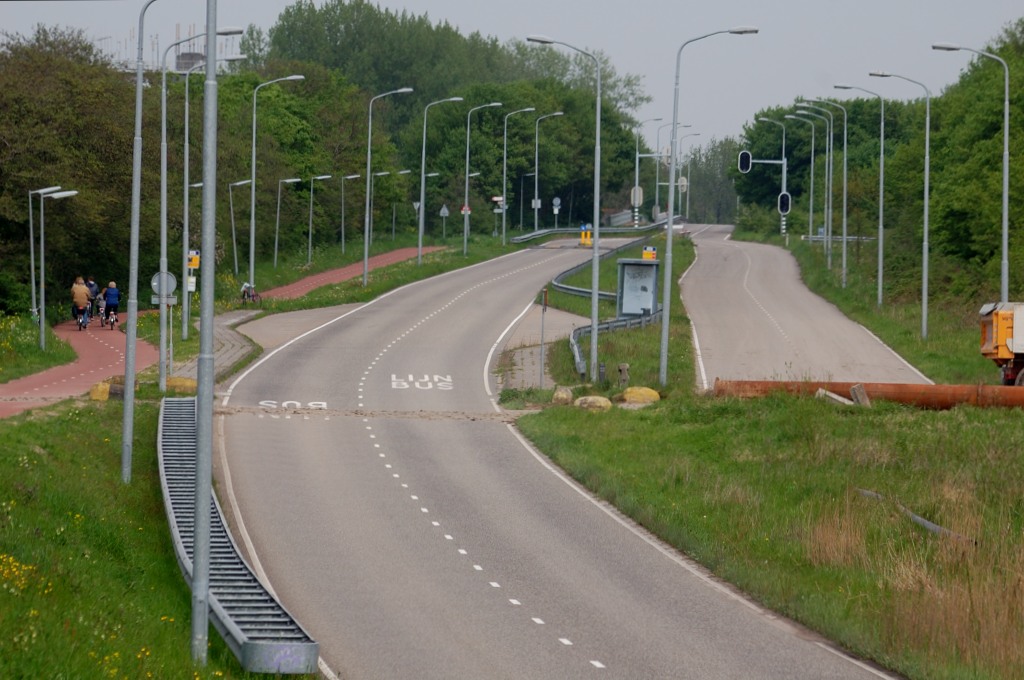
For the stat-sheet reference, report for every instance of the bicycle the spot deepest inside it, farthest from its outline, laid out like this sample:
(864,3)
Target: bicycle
(111,318)
(82,317)
(249,294)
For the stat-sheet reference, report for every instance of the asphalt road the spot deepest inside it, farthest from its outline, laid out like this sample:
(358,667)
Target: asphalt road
(755,320)
(400,517)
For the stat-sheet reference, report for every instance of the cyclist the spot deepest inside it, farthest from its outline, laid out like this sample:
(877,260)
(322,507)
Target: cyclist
(80,300)
(112,298)
(94,292)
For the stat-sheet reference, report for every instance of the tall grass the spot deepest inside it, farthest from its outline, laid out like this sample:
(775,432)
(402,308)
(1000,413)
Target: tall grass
(20,354)
(769,494)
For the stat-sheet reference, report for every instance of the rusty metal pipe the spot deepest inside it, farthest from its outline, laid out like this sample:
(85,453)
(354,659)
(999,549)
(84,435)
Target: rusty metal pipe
(924,396)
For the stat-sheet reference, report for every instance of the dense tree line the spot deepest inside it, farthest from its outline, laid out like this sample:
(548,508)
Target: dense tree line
(965,205)
(68,118)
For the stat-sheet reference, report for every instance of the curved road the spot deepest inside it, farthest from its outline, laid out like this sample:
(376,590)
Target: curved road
(754,319)
(409,528)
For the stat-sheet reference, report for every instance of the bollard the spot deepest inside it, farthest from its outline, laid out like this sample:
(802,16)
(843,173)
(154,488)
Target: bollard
(623,375)
(600,373)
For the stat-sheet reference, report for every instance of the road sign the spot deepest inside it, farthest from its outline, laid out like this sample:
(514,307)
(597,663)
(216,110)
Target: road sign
(466,210)
(557,202)
(193,259)
(444,211)
(169,300)
(636,197)
(170,283)
(682,184)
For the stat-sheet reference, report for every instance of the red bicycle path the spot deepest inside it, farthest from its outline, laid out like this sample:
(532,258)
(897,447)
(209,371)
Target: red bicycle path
(101,350)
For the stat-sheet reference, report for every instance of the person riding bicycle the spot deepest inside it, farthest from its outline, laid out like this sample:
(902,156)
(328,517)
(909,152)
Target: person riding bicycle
(248,290)
(112,298)
(94,292)
(81,300)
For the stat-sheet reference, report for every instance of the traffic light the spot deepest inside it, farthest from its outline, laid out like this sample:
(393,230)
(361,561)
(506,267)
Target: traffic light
(784,200)
(745,161)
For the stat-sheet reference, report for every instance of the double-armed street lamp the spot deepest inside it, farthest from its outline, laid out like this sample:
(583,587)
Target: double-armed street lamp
(369,180)
(881,179)
(31,242)
(465,203)
(252,177)
(423,183)
(536,165)
(343,178)
(504,168)
(309,247)
(1004,268)
(670,223)
(927,163)
(277,223)
(56,195)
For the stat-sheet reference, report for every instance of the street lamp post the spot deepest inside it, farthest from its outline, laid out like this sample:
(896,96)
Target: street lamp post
(1004,268)
(423,180)
(252,185)
(845,128)
(231,209)
(670,222)
(309,247)
(881,178)
(31,243)
(504,169)
(637,203)
(344,177)
(829,175)
(277,223)
(927,163)
(465,204)
(369,179)
(131,337)
(596,260)
(676,188)
(536,166)
(810,202)
(42,259)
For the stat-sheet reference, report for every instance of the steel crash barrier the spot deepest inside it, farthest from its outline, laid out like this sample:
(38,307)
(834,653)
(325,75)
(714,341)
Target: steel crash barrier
(256,627)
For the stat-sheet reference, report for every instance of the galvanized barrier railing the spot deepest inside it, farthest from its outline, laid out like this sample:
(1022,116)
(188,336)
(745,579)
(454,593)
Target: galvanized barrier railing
(256,627)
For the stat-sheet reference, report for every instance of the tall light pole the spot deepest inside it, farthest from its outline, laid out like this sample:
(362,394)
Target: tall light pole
(423,179)
(845,128)
(830,175)
(369,179)
(32,241)
(810,202)
(536,165)
(309,248)
(252,178)
(927,163)
(344,177)
(56,195)
(638,199)
(595,266)
(231,209)
(1004,268)
(277,223)
(881,178)
(186,301)
(162,279)
(670,223)
(504,169)
(131,337)
(676,188)
(465,203)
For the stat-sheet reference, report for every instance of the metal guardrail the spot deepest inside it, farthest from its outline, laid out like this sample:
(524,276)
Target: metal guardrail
(574,231)
(613,325)
(262,634)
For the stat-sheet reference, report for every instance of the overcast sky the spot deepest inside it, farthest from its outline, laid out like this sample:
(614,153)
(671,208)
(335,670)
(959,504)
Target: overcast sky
(804,46)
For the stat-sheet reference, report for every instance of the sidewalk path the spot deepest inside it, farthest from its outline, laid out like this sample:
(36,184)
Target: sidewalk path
(100,356)
(303,286)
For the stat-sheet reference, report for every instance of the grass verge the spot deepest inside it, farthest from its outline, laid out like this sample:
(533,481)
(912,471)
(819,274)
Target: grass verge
(768,494)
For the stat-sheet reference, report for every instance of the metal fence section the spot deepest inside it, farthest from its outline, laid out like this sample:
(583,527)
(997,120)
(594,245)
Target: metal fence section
(256,627)
(613,325)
